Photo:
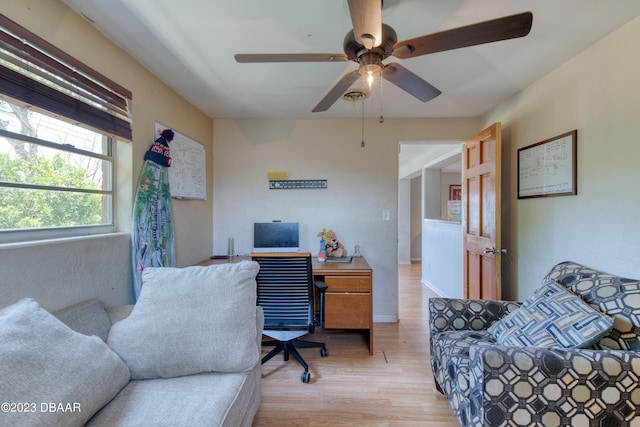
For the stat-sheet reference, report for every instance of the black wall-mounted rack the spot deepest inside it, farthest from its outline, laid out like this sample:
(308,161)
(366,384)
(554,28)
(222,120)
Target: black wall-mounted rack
(294,184)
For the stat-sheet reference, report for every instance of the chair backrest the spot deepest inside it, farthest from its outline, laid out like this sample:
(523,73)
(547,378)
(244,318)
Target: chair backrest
(285,290)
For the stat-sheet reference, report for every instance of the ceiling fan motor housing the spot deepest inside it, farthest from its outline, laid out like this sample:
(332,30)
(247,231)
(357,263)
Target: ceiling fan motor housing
(355,50)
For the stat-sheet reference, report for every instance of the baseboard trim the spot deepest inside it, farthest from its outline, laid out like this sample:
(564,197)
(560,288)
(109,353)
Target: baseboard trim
(385,318)
(433,289)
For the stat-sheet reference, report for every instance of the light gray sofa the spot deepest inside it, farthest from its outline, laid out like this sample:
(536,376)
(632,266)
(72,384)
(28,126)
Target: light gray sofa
(492,378)
(96,366)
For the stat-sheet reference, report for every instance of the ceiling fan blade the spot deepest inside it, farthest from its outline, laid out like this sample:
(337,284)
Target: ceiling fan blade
(290,57)
(337,91)
(409,82)
(508,27)
(366,17)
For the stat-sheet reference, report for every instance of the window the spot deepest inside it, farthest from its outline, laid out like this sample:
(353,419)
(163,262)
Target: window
(52,174)
(58,121)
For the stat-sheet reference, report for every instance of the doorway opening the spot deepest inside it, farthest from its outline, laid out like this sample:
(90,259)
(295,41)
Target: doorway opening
(429,208)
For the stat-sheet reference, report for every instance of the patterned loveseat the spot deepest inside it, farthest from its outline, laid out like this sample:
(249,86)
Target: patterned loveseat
(492,384)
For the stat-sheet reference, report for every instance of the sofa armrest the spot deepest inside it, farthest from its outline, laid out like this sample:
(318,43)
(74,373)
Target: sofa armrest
(455,314)
(544,386)
(451,314)
(118,312)
(88,317)
(259,326)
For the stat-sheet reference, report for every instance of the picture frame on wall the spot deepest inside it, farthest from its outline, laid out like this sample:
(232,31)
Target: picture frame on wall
(549,168)
(455,192)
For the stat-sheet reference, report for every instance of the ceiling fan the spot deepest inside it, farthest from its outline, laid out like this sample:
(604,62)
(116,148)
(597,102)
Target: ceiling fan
(370,42)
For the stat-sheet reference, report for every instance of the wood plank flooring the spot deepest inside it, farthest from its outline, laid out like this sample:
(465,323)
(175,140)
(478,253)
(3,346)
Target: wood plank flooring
(394,387)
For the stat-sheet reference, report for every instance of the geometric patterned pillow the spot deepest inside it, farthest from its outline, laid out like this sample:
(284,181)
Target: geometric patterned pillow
(616,296)
(552,317)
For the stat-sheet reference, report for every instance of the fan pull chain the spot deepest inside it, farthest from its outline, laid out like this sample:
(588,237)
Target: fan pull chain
(381,116)
(362,143)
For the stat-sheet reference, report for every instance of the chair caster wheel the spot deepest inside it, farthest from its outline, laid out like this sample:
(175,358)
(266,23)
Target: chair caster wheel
(306,376)
(324,352)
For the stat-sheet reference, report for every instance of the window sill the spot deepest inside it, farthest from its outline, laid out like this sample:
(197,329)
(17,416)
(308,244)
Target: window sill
(60,240)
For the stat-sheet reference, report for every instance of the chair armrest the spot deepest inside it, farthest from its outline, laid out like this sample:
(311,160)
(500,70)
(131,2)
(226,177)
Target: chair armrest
(544,386)
(321,285)
(452,314)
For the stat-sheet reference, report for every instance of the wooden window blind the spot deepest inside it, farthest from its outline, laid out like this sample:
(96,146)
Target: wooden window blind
(35,72)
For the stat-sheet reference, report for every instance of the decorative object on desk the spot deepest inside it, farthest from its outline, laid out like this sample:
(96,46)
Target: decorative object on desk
(230,248)
(356,251)
(334,247)
(152,238)
(322,252)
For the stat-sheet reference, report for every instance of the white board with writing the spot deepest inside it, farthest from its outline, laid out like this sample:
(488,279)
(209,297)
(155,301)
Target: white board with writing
(188,170)
(548,168)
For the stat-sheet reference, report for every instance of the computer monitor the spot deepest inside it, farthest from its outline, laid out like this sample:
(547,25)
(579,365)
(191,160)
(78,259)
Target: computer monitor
(276,237)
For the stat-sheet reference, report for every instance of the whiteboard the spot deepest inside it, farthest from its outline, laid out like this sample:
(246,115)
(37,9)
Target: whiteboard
(188,170)
(548,168)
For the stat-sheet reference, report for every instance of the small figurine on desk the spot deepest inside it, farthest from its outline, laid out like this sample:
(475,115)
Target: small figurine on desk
(334,247)
(322,253)
(356,251)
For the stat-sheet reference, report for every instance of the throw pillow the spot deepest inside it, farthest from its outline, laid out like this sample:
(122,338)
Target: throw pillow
(191,320)
(52,375)
(552,317)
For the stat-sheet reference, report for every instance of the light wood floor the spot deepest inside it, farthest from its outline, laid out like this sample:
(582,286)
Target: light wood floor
(394,387)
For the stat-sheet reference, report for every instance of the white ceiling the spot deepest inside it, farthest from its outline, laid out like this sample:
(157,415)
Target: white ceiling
(190,44)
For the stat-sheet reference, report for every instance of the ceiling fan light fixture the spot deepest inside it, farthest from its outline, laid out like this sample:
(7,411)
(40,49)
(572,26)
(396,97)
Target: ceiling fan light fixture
(370,70)
(353,95)
(369,73)
(370,66)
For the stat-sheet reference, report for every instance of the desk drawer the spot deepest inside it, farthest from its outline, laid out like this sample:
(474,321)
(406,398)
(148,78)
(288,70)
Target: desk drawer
(346,311)
(348,283)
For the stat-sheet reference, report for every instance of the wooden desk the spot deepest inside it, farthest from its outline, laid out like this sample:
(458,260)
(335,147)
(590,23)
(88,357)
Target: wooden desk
(348,301)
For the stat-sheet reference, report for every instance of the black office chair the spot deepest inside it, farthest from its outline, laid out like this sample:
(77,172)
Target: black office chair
(285,293)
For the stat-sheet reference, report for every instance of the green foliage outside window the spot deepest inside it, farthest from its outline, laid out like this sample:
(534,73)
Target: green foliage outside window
(52,173)
(33,208)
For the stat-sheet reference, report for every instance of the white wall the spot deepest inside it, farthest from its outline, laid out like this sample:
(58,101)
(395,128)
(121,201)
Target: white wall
(60,273)
(362,183)
(416,219)
(69,271)
(405,227)
(442,257)
(598,93)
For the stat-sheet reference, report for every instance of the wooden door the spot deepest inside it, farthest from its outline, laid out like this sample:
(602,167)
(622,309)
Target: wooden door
(481,209)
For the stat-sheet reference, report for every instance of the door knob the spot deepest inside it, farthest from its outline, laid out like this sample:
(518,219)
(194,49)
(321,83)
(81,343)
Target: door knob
(494,250)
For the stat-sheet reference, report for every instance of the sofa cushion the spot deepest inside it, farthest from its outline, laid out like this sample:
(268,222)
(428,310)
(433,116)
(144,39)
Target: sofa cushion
(191,320)
(208,399)
(43,362)
(552,317)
